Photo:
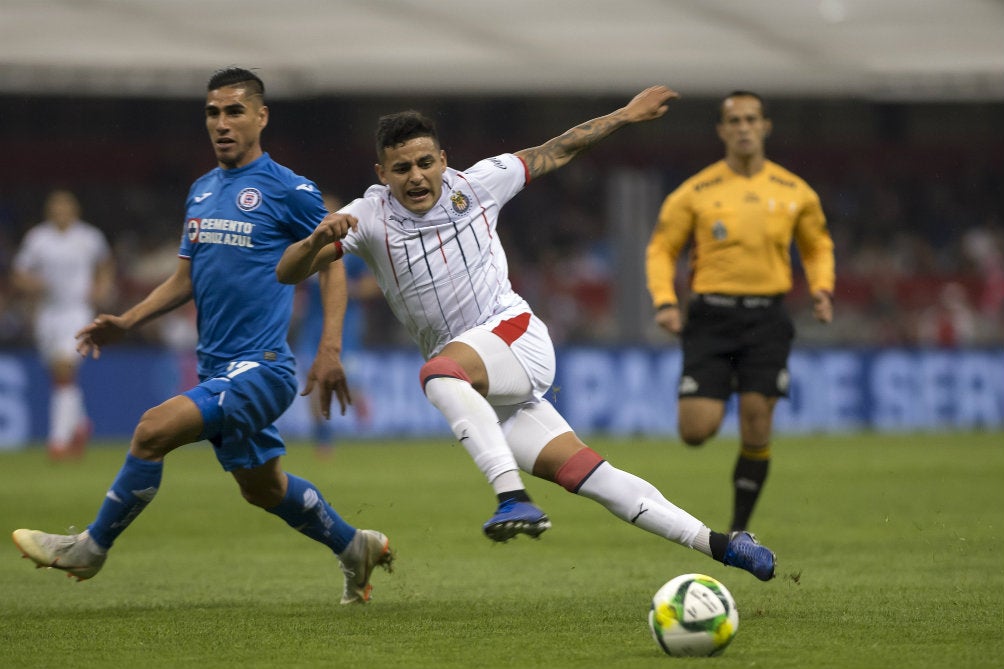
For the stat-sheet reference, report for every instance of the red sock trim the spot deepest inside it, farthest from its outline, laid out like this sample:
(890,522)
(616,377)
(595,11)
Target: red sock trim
(512,329)
(577,469)
(441,366)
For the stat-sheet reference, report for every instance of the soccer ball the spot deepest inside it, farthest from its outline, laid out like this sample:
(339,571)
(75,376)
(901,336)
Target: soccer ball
(693,615)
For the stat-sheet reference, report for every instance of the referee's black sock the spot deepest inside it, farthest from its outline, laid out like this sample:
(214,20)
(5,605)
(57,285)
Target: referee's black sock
(748,478)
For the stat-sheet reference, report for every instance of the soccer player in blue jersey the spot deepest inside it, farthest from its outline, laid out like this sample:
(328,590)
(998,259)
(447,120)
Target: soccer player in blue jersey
(239,217)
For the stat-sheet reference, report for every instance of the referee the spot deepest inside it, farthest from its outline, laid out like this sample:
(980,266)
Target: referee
(739,217)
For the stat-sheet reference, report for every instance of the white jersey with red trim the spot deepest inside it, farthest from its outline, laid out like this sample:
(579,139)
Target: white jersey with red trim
(443,272)
(65,259)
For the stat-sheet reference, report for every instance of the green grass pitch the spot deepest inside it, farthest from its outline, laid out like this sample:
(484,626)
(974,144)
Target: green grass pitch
(890,555)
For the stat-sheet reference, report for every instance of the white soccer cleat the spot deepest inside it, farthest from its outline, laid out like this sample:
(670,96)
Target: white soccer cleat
(367,550)
(76,554)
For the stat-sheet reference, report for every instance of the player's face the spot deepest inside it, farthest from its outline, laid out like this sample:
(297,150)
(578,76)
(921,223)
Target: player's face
(62,208)
(414,173)
(743,127)
(235,119)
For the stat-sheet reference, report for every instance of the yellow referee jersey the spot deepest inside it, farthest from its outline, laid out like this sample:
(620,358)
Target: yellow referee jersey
(742,229)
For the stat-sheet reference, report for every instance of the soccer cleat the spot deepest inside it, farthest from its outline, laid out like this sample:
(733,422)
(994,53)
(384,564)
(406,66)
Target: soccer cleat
(512,518)
(745,552)
(367,550)
(76,554)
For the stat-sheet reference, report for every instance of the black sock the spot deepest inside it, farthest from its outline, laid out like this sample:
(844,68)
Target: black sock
(718,542)
(516,495)
(747,479)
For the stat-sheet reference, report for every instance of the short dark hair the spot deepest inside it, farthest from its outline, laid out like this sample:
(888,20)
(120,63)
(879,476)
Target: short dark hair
(395,129)
(746,94)
(233,75)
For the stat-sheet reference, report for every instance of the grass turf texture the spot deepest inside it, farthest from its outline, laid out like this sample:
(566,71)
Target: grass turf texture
(890,555)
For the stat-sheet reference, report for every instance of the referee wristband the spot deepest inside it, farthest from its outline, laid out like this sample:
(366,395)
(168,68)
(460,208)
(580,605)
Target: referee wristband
(666,305)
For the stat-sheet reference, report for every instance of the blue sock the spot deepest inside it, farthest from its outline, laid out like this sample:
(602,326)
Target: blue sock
(133,488)
(304,509)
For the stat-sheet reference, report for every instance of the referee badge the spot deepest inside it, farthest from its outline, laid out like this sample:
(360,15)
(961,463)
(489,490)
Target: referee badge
(460,202)
(719,231)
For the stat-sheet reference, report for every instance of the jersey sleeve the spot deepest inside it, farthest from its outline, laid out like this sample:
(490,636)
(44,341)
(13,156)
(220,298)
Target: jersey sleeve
(26,258)
(672,230)
(363,209)
(306,209)
(503,175)
(815,245)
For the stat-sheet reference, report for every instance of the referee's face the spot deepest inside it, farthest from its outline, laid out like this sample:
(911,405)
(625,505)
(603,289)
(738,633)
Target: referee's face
(235,119)
(743,127)
(414,173)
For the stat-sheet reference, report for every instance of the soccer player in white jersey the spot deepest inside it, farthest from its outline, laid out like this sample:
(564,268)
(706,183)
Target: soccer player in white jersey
(429,233)
(239,218)
(65,266)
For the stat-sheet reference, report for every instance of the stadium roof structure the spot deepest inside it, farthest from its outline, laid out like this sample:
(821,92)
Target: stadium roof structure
(873,49)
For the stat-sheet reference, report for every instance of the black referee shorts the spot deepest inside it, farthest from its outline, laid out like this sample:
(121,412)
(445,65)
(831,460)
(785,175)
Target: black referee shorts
(735,343)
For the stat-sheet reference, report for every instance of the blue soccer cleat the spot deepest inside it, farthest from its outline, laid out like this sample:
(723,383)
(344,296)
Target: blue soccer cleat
(512,518)
(745,552)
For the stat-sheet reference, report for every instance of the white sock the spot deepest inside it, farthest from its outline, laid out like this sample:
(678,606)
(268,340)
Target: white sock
(507,482)
(476,427)
(638,502)
(66,411)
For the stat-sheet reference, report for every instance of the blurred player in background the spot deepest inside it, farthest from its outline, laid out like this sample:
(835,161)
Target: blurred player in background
(361,286)
(429,234)
(239,218)
(66,269)
(740,216)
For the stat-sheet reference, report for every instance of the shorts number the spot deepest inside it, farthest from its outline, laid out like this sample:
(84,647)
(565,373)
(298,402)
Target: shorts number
(239,367)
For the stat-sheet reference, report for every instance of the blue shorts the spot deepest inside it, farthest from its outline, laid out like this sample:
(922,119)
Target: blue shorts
(239,407)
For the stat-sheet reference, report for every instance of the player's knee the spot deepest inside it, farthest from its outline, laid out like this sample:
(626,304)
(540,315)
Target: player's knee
(441,366)
(574,472)
(694,437)
(151,437)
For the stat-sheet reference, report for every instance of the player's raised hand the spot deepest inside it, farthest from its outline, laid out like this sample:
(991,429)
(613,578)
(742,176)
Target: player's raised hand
(650,104)
(103,330)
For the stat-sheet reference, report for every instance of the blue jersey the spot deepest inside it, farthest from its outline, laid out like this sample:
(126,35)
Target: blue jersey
(238,223)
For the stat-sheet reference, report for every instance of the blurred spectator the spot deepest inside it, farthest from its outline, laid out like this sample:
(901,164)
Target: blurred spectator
(65,268)
(950,322)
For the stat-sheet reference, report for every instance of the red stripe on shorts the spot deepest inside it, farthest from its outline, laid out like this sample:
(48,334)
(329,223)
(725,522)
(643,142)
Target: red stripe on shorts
(512,329)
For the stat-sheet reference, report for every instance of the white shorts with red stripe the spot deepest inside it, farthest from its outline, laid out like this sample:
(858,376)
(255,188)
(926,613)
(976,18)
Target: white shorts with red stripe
(518,354)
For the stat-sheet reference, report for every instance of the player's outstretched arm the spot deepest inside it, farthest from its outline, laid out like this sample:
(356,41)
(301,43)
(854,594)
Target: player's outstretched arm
(108,329)
(308,255)
(650,104)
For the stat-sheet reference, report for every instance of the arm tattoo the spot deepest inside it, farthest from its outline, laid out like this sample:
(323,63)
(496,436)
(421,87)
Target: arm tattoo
(556,152)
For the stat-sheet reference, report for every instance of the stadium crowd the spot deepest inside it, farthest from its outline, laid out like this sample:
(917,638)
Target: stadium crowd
(911,192)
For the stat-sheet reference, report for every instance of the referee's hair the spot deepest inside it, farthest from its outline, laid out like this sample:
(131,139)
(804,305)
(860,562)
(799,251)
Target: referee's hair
(746,94)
